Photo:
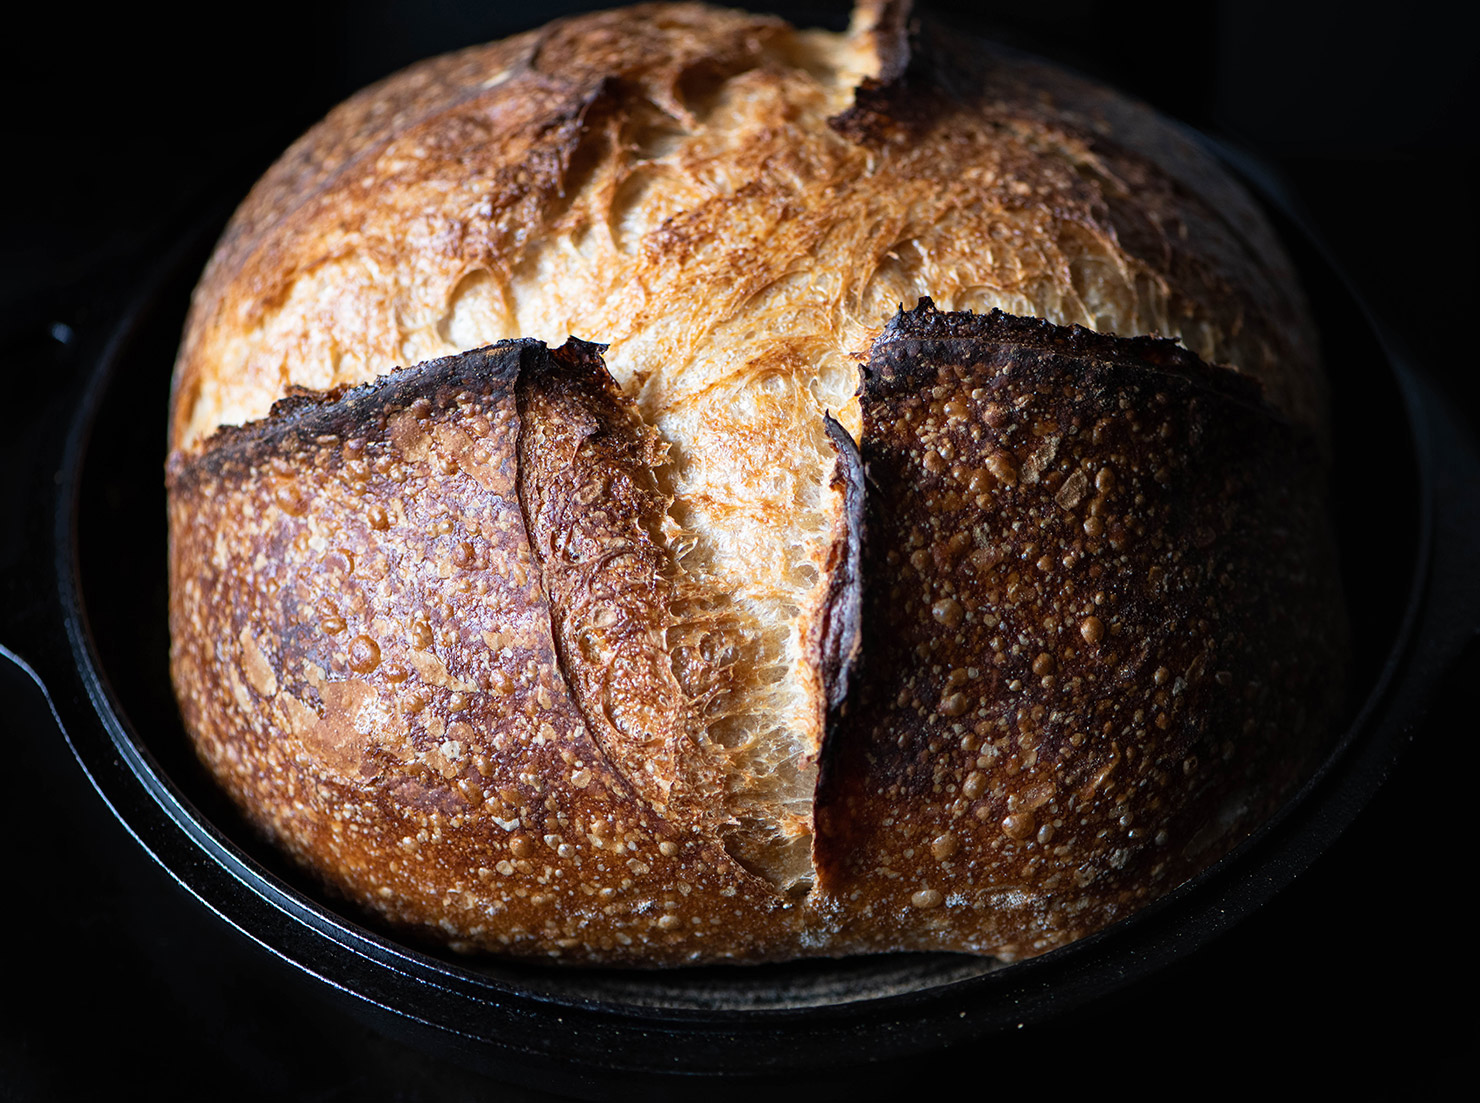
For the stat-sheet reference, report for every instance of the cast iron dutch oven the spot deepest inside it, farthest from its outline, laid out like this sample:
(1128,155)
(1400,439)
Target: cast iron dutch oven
(87,624)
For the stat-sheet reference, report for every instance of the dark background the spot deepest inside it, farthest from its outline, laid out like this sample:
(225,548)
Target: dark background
(122,127)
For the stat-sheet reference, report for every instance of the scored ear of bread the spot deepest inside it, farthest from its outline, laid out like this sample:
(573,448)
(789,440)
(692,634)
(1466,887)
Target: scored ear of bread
(593,517)
(644,635)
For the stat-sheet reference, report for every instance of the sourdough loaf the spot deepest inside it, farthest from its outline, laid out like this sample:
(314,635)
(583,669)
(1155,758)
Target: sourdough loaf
(932,554)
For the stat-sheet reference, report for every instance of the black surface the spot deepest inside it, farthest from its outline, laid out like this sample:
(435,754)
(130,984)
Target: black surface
(1357,975)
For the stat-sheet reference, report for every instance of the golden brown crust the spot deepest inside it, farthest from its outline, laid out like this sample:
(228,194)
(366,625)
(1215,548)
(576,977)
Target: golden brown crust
(1005,183)
(1098,627)
(367,658)
(1165,206)
(539,651)
(502,124)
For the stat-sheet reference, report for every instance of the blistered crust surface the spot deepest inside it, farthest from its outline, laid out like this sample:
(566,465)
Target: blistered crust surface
(366,655)
(733,208)
(1082,638)
(1100,627)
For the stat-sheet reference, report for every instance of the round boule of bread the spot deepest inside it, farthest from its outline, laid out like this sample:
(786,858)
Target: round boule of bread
(672,487)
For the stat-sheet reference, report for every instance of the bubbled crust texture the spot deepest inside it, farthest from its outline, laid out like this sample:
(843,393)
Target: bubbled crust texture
(420,636)
(368,660)
(485,642)
(1099,632)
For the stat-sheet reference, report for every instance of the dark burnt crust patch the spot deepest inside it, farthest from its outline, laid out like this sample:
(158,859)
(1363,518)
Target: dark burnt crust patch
(366,657)
(896,101)
(913,341)
(1099,621)
(925,71)
(345,411)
